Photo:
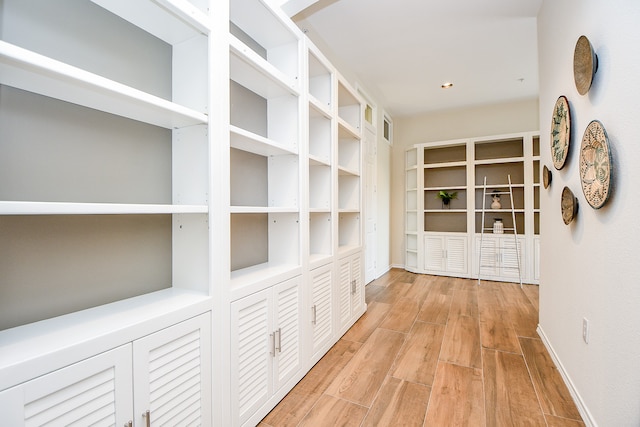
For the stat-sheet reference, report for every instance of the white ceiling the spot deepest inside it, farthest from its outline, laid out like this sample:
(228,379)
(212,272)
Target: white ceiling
(403,50)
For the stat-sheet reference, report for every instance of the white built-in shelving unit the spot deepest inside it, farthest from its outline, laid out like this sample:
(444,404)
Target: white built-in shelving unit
(104,206)
(444,239)
(179,179)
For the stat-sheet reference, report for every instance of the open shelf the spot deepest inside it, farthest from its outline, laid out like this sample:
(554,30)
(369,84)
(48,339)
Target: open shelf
(498,172)
(26,70)
(258,75)
(348,192)
(348,230)
(61,208)
(261,241)
(411,158)
(267,34)
(320,80)
(445,178)
(506,218)
(275,119)
(432,202)
(348,150)
(444,220)
(264,181)
(438,156)
(319,187)
(245,140)
(411,222)
(320,138)
(349,109)
(174,22)
(495,150)
(320,226)
(518,198)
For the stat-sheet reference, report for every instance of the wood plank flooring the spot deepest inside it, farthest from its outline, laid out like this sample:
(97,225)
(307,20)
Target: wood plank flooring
(435,351)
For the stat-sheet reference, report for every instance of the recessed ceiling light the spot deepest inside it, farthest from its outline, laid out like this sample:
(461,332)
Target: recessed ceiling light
(446,85)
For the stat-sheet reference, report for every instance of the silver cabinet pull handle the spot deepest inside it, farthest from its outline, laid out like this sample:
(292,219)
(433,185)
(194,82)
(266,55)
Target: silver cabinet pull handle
(279,346)
(147,416)
(314,311)
(273,344)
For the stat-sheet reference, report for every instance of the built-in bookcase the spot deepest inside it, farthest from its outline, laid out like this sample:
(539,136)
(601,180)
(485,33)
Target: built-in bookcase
(265,108)
(91,139)
(442,241)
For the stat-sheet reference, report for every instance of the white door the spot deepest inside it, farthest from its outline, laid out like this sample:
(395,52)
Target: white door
(96,391)
(321,313)
(487,256)
(456,254)
(509,258)
(357,298)
(251,357)
(344,290)
(370,203)
(434,253)
(287,300)
(172,375)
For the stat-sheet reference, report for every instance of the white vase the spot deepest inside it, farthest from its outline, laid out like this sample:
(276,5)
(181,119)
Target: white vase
(496,203)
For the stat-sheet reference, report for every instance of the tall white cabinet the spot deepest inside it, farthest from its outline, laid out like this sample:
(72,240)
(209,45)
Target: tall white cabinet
(445,238)
(105,204)
(180,210)
(295,209)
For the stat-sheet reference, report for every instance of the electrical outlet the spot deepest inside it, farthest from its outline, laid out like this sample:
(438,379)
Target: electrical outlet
(585,330)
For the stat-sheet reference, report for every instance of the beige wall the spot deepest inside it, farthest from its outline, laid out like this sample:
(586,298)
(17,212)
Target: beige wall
(589,269)
(444,125)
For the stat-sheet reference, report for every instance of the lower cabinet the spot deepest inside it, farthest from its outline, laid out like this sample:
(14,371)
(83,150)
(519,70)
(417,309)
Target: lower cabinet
(350,289)
(137,384)
(265,346)
(446,254)
(321,307)
(499,259)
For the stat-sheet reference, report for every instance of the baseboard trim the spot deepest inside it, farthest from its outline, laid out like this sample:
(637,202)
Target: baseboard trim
(397,266)
(582,407)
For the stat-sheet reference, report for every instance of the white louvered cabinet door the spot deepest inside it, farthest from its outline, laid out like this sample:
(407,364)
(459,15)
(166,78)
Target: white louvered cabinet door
(357,299)
(321,306)
(96,391)
(171,371)
(288,300)
(251,384)
(456,254)
(344,290)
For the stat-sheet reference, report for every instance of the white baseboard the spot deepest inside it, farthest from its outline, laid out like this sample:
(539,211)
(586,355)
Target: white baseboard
(582,407)
(397,266)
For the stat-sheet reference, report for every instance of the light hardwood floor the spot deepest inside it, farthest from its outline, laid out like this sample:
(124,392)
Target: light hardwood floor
(435,351)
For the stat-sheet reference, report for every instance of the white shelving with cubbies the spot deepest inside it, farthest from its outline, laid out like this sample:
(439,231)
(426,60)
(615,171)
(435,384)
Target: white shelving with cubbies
(445,233)
(107,178)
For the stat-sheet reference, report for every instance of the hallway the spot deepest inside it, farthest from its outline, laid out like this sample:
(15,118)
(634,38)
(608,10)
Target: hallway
(435,351)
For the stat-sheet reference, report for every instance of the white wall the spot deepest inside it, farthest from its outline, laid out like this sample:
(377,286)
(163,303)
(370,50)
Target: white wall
(590,268)
(444,125)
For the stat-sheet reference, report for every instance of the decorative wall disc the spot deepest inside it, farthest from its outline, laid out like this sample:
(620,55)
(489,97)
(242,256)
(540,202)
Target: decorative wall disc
(546,176)
(560,132)
(568,205)
(585,65)
(595,165)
